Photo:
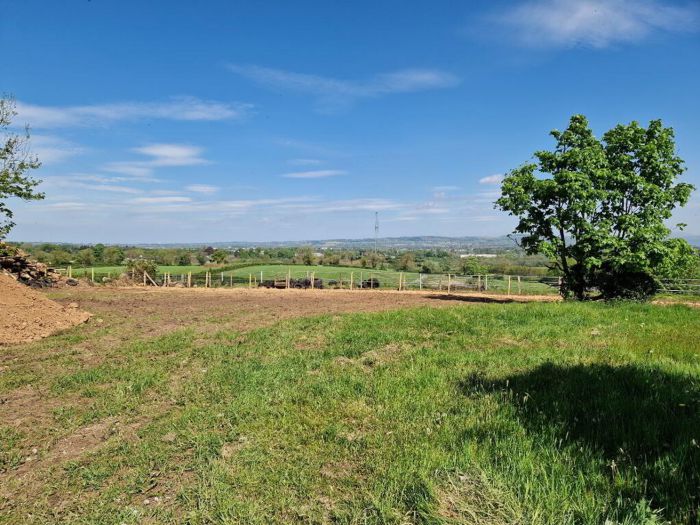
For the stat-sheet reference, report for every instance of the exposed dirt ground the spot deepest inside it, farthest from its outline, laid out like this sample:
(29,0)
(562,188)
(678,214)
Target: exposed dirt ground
(27,315)
(158,310)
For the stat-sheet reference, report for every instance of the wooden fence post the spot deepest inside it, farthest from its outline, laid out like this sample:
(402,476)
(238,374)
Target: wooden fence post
(144,278)
(478,283)
(352,275)
(250,280)
(70,272)
(519,289)
(449,283)
(92,274)
(420,281)
(189,279)
(313,280)
(486,282)
(509,285)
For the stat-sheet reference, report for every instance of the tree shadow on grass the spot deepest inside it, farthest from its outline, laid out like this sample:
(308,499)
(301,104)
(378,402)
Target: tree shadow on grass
(644,422)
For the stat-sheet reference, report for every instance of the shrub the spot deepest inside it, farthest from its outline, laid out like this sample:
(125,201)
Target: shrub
(137,267)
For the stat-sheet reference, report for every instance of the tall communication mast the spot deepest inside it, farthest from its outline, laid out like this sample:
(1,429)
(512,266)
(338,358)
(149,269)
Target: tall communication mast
(376,230)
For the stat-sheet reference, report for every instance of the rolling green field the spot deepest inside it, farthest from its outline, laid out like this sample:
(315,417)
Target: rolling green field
(479,414)
(115,271)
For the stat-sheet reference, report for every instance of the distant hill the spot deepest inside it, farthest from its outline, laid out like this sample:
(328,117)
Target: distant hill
(467,243)
(476,244)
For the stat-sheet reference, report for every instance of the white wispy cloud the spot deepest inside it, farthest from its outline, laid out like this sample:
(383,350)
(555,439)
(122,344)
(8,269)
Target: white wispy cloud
(172,154)
(87,182)
(202,188)
(335,93)
(445,188)
(160,200)
(491,179)
(161,155)
(178,108)
(53,150)
(315,174)
(132,169)
(596,23)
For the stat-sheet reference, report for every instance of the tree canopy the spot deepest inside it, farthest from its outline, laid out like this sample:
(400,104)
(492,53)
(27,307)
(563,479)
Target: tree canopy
(15,162)
(598,208)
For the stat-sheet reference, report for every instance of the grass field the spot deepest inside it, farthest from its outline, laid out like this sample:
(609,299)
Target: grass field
(115,271)
(474,414)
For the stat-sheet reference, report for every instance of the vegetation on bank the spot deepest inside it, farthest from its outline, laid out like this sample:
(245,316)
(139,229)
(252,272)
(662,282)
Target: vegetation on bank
(541,414)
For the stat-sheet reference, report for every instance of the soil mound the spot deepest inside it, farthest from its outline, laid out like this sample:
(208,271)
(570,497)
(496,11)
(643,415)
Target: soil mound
(27,315)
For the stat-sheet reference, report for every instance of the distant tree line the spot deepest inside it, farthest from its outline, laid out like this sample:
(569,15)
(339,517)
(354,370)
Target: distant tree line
(428,261)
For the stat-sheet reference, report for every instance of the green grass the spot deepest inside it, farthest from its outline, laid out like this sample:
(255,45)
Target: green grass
(117,270)
(388,279)
(320,272)
(534,414)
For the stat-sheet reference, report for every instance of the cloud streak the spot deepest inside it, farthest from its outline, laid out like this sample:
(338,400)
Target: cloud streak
(595,23)
(315,174)
(202,188)
(53,150)
(178,108)
(161,155)
(491,179)
(334,94)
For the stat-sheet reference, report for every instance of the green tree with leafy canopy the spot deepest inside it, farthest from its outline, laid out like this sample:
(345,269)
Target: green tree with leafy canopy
(472,266)
(15,161)
(219,256)
(598,208)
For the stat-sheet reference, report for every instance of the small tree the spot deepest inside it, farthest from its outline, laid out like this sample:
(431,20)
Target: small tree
(85,257)
(219,256)
(113,255)
(15,162)
(599,211)
(472,266)
(406,262)
(306,256)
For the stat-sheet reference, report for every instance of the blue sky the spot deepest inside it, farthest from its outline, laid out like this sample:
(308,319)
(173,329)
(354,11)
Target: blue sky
(182,121)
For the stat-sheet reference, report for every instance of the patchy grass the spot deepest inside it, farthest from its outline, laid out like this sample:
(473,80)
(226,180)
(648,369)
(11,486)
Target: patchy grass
(495,414)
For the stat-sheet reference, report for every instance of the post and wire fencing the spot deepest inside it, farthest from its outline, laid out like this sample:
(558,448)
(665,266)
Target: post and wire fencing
(328,277)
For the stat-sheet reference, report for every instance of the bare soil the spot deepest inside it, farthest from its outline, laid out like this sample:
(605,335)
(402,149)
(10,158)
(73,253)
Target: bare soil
(159,310)
(27,315)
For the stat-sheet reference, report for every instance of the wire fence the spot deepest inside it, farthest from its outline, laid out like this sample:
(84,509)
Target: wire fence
(290,277)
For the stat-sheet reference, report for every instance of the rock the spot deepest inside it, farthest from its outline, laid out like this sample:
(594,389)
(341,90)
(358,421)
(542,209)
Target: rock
(73,305)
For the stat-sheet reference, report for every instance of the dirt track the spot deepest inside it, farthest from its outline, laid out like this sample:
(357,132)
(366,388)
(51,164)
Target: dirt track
(157,310)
